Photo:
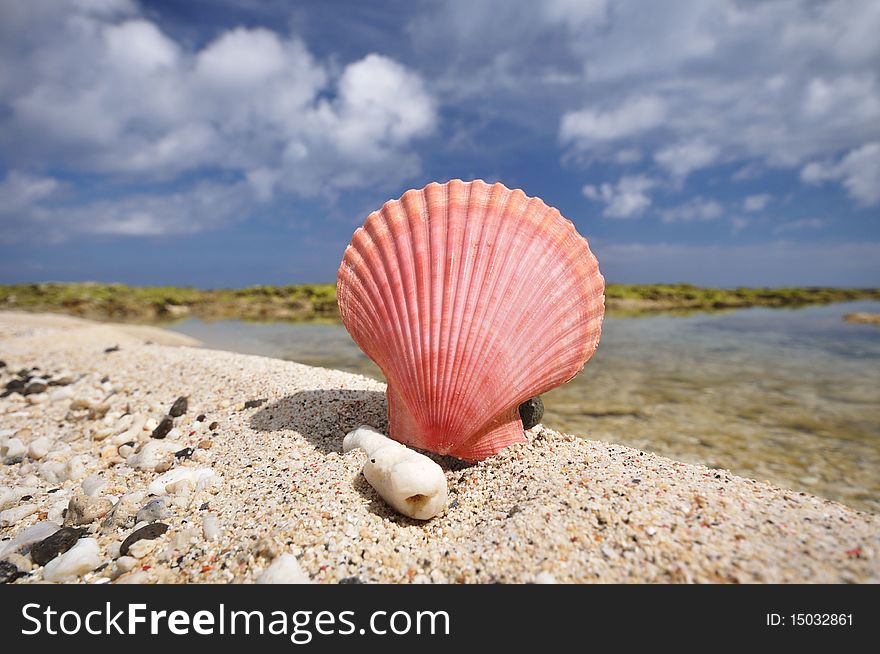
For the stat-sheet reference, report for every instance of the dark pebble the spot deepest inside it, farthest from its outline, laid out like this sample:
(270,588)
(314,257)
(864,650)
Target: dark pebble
(531,412)
(2,364)
(150,532)
(185,453)
(35,387)
(24,372)
(9,572)
(214,426)
(58,543)
(253,404)
(164,426)
(351,580)
(15,385)
(201,417)
(203,507)
(179,407)
(108,350)
(25,498)
(105,379)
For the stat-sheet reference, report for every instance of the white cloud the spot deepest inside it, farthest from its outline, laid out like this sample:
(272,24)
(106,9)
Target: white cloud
(769,84)
(138,44)
(697,209)
(21,190)
(859,172)
(34,208)
(99,88)
(633,116)
(758,202)
(681,159)
(627,199)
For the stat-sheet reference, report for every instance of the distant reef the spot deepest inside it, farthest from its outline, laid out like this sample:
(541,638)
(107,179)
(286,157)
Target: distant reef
(317,302)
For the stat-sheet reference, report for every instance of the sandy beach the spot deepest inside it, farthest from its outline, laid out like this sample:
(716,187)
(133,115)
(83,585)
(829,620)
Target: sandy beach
(253,469)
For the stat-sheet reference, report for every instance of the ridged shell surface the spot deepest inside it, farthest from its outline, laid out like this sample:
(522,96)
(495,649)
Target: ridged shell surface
(471,298)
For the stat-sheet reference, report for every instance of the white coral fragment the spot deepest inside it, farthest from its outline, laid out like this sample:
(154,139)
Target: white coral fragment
(410,482)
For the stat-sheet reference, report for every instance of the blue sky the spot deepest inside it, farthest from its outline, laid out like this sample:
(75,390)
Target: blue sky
(237,142)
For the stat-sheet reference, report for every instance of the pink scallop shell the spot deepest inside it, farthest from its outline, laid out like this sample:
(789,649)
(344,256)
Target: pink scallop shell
(471,298)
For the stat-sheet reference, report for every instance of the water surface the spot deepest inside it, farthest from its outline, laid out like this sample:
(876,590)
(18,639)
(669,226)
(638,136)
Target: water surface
(792,396)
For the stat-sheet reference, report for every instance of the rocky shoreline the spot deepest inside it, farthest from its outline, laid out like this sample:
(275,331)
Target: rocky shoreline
(132,457)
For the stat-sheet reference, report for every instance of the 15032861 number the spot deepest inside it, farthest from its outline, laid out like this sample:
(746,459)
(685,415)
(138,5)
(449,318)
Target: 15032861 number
(821,619)
(810,620)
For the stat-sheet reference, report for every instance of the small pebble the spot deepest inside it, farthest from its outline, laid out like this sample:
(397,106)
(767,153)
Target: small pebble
(125,564)
(108,350)
(253,404)
(58,543)
(15,385)
(201,417)
(206,444)
(84,510)
(13,515)
(196,476)
(13,451)
(164,426)
(284,570)
(211,527)
(179,407)
(351,580)
(149,532)
(152,511)
(40,447)
(141,548)
(93,484)
(531,412)
(35,387)
(185,453)
(214,426)
(83,557)
(9,572)
(155,455)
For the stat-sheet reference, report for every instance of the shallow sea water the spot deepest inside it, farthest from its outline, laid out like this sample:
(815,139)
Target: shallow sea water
(791,396)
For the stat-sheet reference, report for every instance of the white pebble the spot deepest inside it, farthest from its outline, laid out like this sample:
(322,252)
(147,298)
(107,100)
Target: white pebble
(13,515)
(8,496)
(211,527)
(75,562)
(125,564)
(53,472)
(139,577)
(63,393)
(93,484)
(56,511)
(75,468)
(545,578)
(156,456)
(12,450)
(141,548)
(200,478)
(284,570)
(40,447)
(410,482)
